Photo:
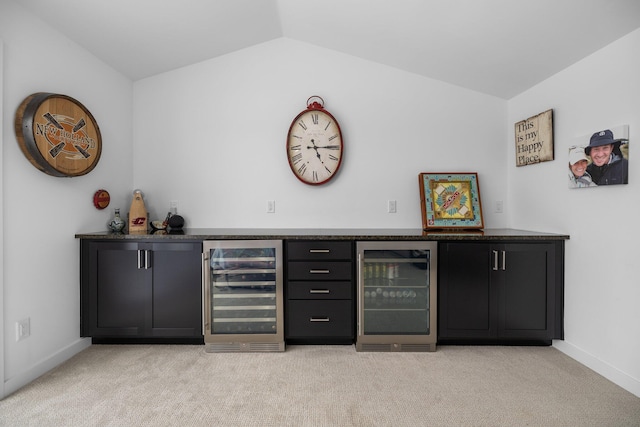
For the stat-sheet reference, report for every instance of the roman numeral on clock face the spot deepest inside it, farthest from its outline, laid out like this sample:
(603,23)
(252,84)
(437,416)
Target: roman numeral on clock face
(295,159)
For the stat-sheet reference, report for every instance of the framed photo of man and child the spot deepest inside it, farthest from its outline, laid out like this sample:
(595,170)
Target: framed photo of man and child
(601,158)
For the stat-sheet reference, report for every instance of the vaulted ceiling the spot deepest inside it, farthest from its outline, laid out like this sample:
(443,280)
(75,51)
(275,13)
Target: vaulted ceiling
(498,47)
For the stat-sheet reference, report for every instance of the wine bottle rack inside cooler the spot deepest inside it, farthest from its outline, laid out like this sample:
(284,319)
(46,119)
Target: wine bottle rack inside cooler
(243,296)
(397,296)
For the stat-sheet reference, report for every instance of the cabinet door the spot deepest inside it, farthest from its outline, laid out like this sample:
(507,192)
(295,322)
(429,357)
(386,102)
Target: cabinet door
(467,300)
(176,298)
(526,298)
(141,290)
(118,290)
(500,292)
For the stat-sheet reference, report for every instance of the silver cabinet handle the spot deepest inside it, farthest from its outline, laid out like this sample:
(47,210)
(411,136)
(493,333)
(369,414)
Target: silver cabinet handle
(319,271)
(318,319)
(146,261)
(495,260)
(319,251)
(319,291)
(504,260)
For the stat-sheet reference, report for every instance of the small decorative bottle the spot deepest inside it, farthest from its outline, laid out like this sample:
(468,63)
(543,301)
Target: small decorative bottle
(137,214)
(117,223)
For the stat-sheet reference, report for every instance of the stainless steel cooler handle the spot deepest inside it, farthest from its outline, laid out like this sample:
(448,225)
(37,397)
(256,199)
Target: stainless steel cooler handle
(319,251)
(359,278)
(318,319)
(319,271)
(205,293)
(319,291)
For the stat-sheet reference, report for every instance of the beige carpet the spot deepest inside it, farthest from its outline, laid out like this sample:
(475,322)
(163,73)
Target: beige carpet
(160,385)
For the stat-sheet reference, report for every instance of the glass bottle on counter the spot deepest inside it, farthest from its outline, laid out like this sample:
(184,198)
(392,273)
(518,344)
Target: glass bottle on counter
(117,223)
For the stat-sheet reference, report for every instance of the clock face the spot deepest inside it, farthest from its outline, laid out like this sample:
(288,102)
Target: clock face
(314,146)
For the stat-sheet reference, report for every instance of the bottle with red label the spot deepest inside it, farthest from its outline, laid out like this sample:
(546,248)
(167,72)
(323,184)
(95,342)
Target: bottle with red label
(137,214)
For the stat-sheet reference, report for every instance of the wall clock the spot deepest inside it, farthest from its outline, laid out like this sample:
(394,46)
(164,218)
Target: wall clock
(314,144)
(58,135)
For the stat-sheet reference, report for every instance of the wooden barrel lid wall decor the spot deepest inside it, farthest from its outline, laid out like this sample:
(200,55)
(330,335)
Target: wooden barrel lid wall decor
(58,135)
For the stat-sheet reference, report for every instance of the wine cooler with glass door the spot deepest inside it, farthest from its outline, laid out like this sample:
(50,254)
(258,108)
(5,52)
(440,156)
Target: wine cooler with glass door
(243,296)
(397,294)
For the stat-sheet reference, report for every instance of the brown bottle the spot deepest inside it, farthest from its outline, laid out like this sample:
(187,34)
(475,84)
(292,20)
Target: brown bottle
(137,214)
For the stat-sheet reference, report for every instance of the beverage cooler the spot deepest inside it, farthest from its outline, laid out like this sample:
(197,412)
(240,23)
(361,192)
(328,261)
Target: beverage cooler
(243,296)
(397,300)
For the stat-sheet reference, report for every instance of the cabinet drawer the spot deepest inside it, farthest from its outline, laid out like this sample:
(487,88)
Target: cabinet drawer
(320,318)
(319,270)
(319,250)
(319,290)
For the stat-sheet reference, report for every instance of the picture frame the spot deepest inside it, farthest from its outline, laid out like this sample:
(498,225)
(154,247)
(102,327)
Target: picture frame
(600,158)
(450,200)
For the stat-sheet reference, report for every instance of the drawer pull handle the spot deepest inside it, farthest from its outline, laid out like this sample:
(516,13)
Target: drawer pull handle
(319,251)
(319,291)
(319,319)
(319,271)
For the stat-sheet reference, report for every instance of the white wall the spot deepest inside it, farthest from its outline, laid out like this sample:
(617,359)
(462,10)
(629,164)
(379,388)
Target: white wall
(212,136)
(42,213)
(602,319)
(1,227)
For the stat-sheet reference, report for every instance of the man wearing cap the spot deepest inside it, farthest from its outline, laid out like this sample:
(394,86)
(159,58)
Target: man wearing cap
(578,175)
(608,166)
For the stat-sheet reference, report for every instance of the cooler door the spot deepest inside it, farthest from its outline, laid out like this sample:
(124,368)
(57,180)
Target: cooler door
(243,291)
(396,300)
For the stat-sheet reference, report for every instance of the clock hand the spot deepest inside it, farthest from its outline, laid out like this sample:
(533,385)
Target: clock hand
(315,148)
(330,147)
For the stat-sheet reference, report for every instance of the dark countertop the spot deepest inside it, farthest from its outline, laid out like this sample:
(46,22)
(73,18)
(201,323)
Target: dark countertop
(325,234)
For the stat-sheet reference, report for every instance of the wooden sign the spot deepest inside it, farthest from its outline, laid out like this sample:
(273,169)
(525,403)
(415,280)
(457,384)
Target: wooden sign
(57,134)
(534,139)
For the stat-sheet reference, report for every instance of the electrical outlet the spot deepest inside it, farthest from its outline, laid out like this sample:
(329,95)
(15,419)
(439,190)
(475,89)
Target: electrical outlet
(391,206)
(23,329)
(499,206)
(173,207)
(271,206)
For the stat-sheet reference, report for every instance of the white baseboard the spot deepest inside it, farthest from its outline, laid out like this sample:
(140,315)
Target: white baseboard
(23,378)
(611,373)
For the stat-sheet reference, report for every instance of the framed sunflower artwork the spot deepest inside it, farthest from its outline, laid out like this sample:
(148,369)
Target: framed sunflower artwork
(450,200)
